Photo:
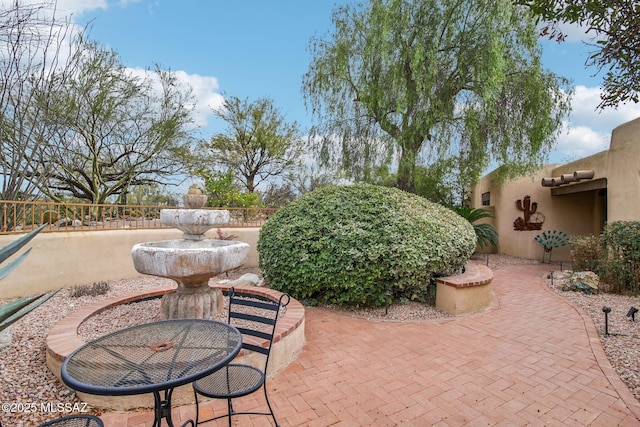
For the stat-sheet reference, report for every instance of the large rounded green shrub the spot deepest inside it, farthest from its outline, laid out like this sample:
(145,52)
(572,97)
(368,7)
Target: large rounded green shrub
(359,244)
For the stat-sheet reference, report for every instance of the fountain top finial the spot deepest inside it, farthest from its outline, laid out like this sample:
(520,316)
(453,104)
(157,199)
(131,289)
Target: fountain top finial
(194,189)
(194,199)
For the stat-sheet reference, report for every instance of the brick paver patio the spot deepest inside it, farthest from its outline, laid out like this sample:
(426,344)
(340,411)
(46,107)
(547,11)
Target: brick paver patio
(533,359)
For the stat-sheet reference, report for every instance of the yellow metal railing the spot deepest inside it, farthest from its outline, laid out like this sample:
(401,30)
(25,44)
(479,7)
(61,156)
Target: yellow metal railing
(18,216)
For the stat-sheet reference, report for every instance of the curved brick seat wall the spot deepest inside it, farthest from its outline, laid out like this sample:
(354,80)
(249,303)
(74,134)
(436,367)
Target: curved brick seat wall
(63,339)
(466,293)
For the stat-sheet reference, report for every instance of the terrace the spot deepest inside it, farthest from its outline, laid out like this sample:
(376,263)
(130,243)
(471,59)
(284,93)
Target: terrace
(531,357)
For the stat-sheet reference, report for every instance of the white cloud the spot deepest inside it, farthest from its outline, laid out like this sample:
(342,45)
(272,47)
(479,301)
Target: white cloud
(62,7)
(78,7)
(585,102)
(577,33)
(588,130)
(205,96)
(580,141)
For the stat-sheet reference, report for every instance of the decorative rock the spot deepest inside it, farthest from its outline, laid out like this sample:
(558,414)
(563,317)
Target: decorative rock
(248,279)
(583,281)
(6,337)
(68,222)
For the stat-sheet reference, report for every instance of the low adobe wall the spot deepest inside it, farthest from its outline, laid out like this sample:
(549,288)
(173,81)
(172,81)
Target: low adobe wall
(466,293)
(63,339)
(64,259)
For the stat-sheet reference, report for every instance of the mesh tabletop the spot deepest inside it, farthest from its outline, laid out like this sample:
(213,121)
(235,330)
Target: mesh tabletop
(151,357)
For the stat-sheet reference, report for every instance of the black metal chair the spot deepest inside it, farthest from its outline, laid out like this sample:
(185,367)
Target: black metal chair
(81,420)
(256,318)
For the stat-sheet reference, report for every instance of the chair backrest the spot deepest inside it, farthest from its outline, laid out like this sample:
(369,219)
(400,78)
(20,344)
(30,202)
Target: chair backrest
(255,316)
(81,420)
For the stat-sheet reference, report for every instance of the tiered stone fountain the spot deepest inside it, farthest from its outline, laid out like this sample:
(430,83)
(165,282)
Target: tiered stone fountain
(192,261)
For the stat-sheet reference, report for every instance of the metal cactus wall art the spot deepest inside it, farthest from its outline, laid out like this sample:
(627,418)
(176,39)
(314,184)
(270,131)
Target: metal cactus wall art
(528,209)
(551,239)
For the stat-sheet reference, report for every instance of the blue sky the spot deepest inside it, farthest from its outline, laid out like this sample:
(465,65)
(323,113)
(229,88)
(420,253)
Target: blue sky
(258,48)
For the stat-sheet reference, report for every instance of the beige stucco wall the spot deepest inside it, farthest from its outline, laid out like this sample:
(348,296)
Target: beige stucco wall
(623,173)
(64,259)
(572,214)
(579,213)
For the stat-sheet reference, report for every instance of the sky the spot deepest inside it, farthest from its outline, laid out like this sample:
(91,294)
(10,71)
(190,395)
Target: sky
(259,48)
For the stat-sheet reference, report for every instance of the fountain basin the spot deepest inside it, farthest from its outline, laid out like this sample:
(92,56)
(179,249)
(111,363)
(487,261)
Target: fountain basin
(194,222)
(189,262)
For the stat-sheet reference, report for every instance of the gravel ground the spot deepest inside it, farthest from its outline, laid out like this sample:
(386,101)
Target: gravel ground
(29,391)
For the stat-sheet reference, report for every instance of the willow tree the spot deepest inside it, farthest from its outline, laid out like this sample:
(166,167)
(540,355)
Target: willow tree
(422,82)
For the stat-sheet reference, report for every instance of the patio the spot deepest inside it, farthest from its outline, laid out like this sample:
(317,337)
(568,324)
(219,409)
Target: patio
(533,359)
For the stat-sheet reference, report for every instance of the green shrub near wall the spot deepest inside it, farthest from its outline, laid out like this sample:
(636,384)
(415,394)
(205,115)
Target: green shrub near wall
(622,240)
(361,245)
(587,253)
(614,256)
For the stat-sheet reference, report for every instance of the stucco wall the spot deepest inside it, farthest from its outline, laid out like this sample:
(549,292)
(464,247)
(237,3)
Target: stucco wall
(623,173)
(64,259)
(572,214)
(576,213)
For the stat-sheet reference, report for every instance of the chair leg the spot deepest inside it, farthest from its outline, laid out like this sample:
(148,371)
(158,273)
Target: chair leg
(195,394)
(273,415)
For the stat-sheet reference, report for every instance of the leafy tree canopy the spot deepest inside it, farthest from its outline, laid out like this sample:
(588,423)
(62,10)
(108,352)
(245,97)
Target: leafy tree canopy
(110,128)
(615,24)
(424,82)
(222,190)
(258,143)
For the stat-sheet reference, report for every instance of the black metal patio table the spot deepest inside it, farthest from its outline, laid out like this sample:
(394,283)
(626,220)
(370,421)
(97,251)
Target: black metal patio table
(152,358)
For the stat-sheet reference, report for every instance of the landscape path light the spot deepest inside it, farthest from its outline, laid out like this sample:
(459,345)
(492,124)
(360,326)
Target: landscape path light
(606,311)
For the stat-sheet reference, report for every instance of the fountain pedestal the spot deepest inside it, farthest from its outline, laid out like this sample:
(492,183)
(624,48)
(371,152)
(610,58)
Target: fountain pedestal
(191,302)
(192,261)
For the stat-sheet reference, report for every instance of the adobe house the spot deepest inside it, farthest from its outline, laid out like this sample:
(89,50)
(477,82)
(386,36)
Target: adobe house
(575,198)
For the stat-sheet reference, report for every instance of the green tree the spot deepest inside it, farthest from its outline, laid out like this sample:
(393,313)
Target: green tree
(311,176)
(615,25)
(223,191)
(404,81)
(258,144)
(434,182)
(112,128)
(153,195)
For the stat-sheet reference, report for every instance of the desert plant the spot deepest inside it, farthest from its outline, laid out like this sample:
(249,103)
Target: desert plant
(16,309)
(486,234)
(97,288)
(622,240)
(587,253)
(221,236)
(361,245)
